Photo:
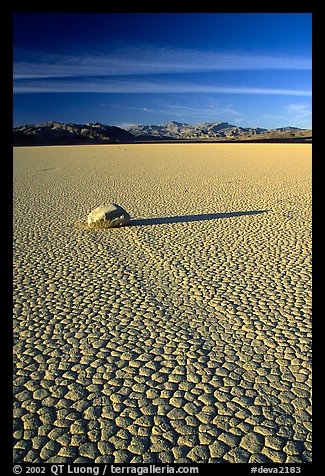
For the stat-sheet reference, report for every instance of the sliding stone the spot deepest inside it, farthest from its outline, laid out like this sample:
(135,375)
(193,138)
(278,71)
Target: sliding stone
(108,216)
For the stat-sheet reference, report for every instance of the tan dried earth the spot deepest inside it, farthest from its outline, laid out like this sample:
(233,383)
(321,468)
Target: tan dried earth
(183,337)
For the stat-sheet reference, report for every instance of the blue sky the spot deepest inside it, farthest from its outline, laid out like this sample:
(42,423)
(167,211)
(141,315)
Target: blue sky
(134,68)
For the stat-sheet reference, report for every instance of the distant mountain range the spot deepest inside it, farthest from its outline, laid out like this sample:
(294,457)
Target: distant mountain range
(213,131)
(58,133)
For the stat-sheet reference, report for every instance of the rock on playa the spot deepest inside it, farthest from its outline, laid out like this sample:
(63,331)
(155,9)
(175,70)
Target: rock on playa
(108,216)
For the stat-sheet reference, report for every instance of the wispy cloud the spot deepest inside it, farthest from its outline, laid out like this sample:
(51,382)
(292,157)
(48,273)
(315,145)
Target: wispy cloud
(299,114)
(147,60)
(210,109)
(205,111)
(202,112)
(146,69)
(142,85)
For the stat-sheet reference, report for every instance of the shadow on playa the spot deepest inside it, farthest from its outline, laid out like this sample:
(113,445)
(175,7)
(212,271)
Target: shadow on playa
(191,218)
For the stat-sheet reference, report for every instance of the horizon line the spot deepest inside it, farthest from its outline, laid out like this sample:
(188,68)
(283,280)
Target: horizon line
(125,127)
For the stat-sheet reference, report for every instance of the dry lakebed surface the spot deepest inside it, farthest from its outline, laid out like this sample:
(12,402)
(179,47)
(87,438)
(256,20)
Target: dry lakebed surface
(183,337)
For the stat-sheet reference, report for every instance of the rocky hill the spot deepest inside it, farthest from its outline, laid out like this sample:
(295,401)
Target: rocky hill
(205,130)
(58,133)
(213,131)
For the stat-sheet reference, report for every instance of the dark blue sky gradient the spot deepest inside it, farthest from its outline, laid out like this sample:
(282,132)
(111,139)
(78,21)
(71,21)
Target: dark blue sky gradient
(247,69)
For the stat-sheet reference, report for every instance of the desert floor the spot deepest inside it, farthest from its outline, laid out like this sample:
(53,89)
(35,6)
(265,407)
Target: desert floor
(183,337)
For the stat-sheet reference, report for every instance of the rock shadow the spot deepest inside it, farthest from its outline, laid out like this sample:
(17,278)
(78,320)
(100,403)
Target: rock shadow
(192,218)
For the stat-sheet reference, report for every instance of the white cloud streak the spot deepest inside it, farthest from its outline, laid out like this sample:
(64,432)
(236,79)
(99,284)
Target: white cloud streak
(299,113)
(150,85)
(295,113)
(148,60)
(143,70)
(300,110)
(203,112)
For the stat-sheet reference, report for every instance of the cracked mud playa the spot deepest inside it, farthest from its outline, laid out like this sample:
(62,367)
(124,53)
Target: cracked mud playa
(183,337)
